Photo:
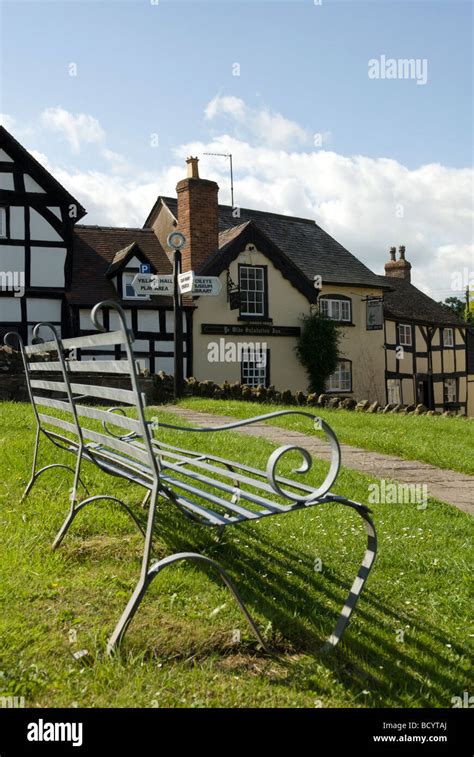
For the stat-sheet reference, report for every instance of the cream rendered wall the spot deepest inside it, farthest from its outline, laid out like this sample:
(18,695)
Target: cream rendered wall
(364,348)
(286,306)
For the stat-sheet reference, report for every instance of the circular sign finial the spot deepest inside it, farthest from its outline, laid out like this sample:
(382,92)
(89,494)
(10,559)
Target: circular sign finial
(176,240)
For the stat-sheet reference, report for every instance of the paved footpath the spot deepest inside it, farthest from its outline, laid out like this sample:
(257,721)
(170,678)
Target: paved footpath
(446,485)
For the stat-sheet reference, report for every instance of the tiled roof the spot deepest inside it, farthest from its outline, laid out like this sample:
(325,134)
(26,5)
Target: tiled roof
(407,302)
(303,242)
(96,248)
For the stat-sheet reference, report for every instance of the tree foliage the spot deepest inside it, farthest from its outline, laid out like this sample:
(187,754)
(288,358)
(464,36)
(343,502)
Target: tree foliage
(318,349)
(455,305)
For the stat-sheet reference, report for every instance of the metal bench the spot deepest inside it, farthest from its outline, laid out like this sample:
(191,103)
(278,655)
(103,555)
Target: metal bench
(208,489)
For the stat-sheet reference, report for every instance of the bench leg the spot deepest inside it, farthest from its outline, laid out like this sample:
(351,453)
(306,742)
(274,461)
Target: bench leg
(156,568)
(75,509)
(361,578)
(36,474)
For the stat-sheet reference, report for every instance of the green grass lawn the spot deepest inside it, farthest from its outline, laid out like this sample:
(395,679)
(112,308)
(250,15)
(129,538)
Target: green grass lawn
(442,441)
(406,646)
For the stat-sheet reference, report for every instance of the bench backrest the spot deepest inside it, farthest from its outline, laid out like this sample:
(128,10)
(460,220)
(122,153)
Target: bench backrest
(62,391)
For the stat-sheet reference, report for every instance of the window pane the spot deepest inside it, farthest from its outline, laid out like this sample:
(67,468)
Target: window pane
(340,380)
(3,222)
(448,337)
(336,310)
(252,286)
(405,334)
(254,369)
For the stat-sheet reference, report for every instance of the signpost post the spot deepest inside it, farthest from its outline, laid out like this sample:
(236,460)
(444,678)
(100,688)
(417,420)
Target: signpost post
(176,241)
(176,285)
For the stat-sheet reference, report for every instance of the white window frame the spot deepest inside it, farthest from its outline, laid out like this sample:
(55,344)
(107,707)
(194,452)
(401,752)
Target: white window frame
(394,391)
(341,379)
(450,388)
(246,309)
(448,342)
(254,369)
(3,222)
(334,308)
(135,296)
(405,335)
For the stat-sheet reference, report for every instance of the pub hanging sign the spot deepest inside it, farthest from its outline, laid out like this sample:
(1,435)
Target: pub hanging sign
(374,313)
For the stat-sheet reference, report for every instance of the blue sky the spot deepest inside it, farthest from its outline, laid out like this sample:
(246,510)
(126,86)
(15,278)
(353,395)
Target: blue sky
(152,68)
(146,68)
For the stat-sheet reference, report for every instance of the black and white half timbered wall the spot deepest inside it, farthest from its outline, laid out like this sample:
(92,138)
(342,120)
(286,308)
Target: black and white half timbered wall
(426,363)
(37,216)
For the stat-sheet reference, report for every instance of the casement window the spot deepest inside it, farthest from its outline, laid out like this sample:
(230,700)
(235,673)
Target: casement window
(128,292)
(255,368)
(341,379)
(3,222)
(253,291)
(450,390)
(337,309)
(394,393)
(448,340)
(404,334)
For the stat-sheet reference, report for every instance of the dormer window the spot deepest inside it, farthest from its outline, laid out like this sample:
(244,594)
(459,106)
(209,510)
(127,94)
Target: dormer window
(128,292)
(336,308)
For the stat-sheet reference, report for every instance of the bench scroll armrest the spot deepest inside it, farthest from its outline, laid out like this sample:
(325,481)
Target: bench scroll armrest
(275,457)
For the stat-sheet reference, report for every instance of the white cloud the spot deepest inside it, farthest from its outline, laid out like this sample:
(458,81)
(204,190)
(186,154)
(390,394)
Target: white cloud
(77,129)
(7,121)
(263,124)
(118,163)
(367,204)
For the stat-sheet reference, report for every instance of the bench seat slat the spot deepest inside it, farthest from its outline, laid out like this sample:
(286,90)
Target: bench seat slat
(132,450)
(214,518)
(258,484)
(102,392)
(243,512)
(249,496)
(114,419)
(164,447)
(84,366)
(80,342)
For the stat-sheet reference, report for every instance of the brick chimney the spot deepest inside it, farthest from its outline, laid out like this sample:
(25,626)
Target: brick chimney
(399,269)
(198,217)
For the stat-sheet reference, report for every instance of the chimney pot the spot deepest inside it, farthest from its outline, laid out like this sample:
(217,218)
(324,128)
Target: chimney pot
(398,269)
(193,170)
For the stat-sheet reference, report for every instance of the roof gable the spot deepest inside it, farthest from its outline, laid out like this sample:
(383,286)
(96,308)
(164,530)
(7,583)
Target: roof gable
(37,173)
(233,241)
(123,256)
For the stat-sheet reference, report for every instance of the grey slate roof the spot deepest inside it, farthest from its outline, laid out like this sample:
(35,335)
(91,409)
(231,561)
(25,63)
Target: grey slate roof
(408,303)
(304,242)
